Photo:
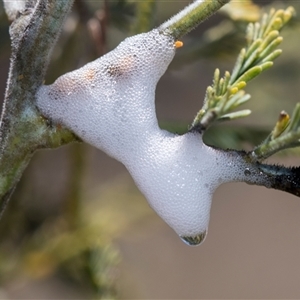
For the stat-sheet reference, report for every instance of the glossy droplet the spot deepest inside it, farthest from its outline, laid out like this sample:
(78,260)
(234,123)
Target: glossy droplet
(194,240)
(247,172)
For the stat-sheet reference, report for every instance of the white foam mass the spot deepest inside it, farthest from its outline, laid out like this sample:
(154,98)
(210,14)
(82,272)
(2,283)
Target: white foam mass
(110,103)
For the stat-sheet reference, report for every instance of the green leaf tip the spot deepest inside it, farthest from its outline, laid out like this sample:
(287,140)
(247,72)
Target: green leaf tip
(281,125)
(286,134)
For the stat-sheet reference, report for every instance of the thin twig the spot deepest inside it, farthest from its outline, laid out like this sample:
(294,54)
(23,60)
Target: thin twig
(187,19)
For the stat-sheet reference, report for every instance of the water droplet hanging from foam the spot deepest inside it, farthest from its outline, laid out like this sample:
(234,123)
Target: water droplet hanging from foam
(194,240)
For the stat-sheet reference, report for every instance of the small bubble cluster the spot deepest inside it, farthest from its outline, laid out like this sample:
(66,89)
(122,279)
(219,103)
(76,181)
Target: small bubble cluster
(110,103)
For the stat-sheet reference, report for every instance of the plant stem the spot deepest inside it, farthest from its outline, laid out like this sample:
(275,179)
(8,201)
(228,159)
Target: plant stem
(286,134)
(270,176)
(282,178)
(22,128)
(187,19)
(264,151)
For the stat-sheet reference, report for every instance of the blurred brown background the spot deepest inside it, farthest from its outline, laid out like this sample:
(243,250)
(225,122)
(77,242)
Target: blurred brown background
(253,243)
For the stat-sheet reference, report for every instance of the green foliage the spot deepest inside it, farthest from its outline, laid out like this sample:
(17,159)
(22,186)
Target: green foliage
(82,250)
(286,134)
(227,93)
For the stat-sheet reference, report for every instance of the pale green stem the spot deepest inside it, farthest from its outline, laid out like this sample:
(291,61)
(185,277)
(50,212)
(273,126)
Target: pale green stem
(187,19)
(264,151)
(288,138)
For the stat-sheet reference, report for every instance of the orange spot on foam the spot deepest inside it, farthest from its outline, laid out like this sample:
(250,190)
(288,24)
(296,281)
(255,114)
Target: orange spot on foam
(178,44)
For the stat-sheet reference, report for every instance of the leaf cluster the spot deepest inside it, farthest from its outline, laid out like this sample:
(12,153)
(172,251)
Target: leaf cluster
(227,93)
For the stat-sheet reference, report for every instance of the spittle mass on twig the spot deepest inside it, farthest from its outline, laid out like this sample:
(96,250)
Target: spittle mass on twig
(110,103)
